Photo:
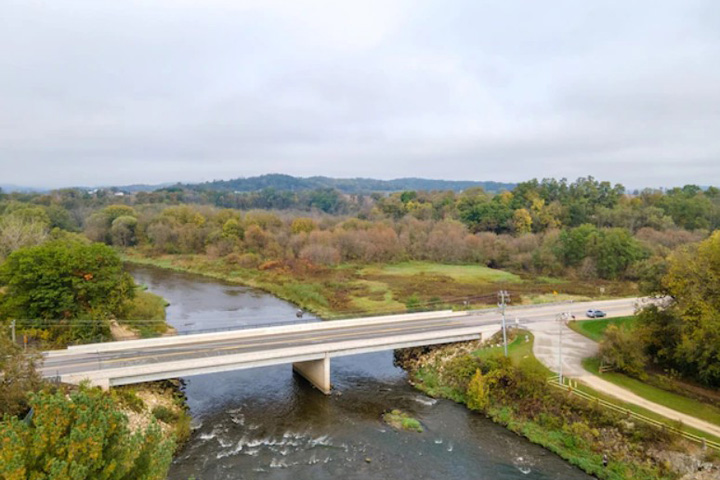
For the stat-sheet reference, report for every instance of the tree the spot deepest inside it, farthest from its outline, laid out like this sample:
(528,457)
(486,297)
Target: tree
(17,232)
(572,244)
(80,436)
(302,224)
(478,396)
(623,350)
(99,224)
(19,377)
(521,222)
(123,231)
(686,335)
(614,251)
(480,215)
(59,283)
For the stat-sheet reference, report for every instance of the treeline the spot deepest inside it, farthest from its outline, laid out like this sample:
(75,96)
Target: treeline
(587,228)
(345,185)
(533,206)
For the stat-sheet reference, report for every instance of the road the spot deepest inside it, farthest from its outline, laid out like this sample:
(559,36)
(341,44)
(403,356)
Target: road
(575,348)
(136,353)
(542,320)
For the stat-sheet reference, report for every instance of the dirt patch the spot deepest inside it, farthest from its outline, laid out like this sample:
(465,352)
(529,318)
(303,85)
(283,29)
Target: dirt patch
(122,332)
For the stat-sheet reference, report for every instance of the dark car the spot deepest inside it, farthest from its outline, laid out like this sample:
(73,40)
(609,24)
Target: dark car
(592,313)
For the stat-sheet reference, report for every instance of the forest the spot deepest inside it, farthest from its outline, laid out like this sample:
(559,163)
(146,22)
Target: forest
(336,253)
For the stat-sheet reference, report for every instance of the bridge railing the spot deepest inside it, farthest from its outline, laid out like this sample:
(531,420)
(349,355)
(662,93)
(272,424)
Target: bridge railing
(230,328)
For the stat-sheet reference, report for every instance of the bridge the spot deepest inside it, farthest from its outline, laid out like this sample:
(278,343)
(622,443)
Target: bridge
(308,347)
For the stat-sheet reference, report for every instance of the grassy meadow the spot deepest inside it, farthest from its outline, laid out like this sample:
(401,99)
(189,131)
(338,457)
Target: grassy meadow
(353,289)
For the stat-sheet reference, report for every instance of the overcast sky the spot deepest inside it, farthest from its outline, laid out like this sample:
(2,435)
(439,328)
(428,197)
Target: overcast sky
(97,92)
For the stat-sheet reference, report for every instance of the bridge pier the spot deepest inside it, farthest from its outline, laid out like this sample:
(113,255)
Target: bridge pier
(316,372)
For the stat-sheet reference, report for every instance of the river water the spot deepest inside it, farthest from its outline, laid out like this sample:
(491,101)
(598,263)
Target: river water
(268,423)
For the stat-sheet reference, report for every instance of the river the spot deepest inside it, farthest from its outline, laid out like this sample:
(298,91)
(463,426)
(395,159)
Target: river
(267,423)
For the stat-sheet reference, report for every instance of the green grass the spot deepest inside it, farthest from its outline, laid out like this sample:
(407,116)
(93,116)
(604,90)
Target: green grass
(402,421)
(147,314)
(461,273)
(376,297)
(551,280)
(595,329)
(688,406)
(518,348)
(551,297)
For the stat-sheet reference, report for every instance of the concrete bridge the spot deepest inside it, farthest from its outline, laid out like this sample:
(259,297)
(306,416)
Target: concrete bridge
(308,347)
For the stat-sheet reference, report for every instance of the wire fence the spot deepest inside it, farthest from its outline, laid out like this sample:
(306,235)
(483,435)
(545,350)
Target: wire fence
(570,386)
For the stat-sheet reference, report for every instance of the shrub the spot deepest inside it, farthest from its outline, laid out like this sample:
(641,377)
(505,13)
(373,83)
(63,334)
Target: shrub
(624,351)
(164,414)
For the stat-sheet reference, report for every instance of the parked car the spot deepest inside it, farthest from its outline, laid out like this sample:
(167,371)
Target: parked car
(592,313)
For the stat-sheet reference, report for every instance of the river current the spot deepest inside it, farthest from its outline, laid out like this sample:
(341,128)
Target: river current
(268,423)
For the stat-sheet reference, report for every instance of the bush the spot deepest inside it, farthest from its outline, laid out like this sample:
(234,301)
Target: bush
(129,398)
(623,350)
(164,414)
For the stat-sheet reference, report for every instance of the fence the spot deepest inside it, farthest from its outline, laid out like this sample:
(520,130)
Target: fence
(571,388)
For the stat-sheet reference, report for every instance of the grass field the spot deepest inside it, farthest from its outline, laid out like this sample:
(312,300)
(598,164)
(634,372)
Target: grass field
(461,273)
(352,289)
(595,329)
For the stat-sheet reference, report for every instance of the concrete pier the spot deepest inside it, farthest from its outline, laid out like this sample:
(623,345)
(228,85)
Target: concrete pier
(316,372)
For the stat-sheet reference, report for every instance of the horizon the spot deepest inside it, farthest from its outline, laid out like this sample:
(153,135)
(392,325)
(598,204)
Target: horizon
(12,187)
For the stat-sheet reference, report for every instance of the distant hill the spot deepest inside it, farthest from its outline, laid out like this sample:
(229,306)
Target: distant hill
(9,188)
(347,185)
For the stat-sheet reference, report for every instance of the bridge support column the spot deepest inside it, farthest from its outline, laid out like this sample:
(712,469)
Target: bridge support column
(316,372)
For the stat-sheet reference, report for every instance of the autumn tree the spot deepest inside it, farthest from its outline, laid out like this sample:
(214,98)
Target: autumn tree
(17,232)
(80,436)
(686,334)
(19,377)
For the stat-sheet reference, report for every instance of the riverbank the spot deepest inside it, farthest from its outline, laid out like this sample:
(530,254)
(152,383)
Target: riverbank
(514,393)
(574,438)
(163,402)
(357,289)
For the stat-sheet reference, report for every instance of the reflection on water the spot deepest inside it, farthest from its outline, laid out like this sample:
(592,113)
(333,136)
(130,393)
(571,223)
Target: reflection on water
(267,423)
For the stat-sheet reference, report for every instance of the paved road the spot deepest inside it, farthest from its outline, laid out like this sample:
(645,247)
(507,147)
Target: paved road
(195,347)
(575,347)
(200,348)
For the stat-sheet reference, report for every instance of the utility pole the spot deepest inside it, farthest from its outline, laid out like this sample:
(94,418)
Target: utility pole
(503,298)
(12,326)
(561,321)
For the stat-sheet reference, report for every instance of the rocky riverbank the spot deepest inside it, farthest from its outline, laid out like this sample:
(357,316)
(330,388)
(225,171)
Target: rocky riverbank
(516,395)
(163,402)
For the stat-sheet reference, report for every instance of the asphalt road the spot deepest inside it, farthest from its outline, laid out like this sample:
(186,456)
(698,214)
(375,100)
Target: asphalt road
(196,347)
